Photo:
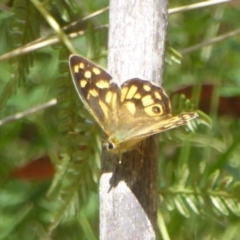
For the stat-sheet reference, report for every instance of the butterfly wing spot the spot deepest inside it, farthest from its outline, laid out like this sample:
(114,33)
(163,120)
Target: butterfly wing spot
(87,74)
(81,65)
(157,95)
(104,108)
(83,83)
(128,93)
(114,98)
(131,92)
(158,110)
(130,107)
(146,87)
(137,96)
(111,97)
(75,68)
(92,92)
(96,71)
(154,111)
(124,91)
(102,84)
(147,100)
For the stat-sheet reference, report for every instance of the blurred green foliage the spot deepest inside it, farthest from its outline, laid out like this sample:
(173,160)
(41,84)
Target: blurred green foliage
(198,171)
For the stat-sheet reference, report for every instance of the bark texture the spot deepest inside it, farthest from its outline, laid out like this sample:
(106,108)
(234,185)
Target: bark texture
(128,191)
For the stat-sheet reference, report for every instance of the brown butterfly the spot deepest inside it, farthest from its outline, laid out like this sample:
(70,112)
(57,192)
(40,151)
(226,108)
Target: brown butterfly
(128,113)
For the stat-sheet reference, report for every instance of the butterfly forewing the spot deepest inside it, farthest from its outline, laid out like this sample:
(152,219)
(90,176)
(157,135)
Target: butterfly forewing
(96,90)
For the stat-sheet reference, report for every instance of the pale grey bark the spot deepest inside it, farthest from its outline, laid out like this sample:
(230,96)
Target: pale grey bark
(128,192)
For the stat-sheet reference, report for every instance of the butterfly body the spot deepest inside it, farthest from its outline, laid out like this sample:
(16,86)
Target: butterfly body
(128,113)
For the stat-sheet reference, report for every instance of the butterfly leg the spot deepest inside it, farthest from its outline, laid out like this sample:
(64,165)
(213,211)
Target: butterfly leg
(120,158)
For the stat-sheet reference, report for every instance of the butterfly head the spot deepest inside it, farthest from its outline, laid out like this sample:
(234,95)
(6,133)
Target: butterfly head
(109,146)
(113,145)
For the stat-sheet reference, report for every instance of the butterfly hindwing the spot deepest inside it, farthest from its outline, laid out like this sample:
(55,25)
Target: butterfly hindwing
(143,99)
(147,109)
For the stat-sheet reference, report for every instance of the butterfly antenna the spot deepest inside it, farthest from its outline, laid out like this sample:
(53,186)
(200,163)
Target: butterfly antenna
(120,158)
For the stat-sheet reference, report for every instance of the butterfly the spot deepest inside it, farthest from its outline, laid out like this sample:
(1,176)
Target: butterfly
(128,113)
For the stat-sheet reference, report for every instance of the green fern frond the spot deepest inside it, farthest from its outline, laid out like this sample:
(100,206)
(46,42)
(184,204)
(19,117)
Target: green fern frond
(78,171)
(221,199)
(25,28)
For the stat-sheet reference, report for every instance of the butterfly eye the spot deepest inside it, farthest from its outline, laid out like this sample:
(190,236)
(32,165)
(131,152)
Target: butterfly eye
(156,109)
(109,146)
